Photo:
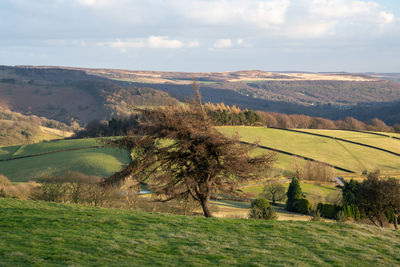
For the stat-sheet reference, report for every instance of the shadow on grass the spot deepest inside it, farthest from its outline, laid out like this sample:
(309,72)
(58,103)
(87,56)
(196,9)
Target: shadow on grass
(232,204)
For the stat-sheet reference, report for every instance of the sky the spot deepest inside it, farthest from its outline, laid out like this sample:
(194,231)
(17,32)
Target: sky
(203,35)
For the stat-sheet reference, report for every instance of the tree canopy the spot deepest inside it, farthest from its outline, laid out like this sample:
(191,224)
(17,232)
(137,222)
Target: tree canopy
(179,154)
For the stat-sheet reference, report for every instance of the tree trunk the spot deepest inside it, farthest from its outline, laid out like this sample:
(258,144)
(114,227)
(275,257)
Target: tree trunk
(373,221)
(395,221)
(204,204)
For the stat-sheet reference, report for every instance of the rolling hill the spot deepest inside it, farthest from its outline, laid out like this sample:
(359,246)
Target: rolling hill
(26,162)
(16,128)
(354,157)
(40,233)
(82,94)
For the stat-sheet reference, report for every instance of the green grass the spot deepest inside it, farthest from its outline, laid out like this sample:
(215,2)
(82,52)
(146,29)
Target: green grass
(105,161)
(350,156)
(98,161)
(390,144)
(308,189)
(44,234)
(8,151)
(44,147)
(393,134)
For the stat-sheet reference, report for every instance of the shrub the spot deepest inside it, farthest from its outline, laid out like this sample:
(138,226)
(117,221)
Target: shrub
(302,206)
(2,193)
(50,189)
(294,193)
(316,216)
(341,217)
(260,209)
(4,180)
(328,210)
(352,211)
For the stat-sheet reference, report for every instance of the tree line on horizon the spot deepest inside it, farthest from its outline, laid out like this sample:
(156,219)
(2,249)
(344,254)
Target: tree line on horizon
(225,115)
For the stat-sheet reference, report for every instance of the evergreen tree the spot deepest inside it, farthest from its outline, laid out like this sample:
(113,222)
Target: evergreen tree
(293,194)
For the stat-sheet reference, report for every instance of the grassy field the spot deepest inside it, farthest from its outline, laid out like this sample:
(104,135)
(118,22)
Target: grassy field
(315,193)
(349,156)
(390,144)
(43,147)
(40,234)
(105,161)
(94,161)
(307,188)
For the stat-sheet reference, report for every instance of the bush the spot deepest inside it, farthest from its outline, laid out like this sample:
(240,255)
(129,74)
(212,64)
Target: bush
(4,180)
(316,216)
(2,193)
(260,209)
(328,210)
(302,206)
(341,217)
(352,211)
(50,189)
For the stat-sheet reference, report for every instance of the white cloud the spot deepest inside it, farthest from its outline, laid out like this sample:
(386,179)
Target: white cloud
(269,13)
(342,8)
(87,2)
(222,12)
(311,30)
(223,43)
(290,18)
(352,12)
(163,42)
(127,44)
(387,18)
(321,18)
(149,42)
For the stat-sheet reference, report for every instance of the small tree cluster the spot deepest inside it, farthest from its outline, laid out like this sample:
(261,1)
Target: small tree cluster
(272,119)
(20,190)
(73,188)
(260,209)
(295,200)
(377,199)
(314,171)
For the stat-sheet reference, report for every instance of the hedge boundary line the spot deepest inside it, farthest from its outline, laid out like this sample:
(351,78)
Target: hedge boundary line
(50,152)
(299,156)
(339,139)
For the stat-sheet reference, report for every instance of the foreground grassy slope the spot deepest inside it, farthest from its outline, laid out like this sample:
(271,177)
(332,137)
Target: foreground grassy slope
(350,156)
(93,161)
(42,233)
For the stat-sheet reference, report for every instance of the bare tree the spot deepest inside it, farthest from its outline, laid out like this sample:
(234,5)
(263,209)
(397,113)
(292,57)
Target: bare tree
(274,191)
(179,154)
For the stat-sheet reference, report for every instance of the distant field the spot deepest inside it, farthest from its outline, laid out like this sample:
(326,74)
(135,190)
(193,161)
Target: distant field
(390,144)
(307,188)
(94,161)
(393,134)
(346,155)
(105,161)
